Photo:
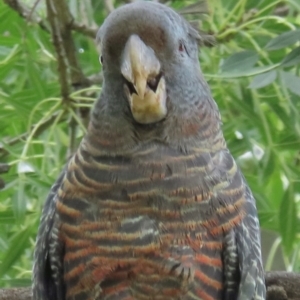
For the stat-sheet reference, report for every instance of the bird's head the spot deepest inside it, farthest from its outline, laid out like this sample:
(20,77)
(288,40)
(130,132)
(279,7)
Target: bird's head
(151,70)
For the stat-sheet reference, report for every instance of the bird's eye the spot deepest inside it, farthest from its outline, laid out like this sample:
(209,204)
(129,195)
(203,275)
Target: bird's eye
(182,48)
(101,60)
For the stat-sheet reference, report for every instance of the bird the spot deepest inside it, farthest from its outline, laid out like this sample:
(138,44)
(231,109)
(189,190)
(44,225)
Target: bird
(152,205)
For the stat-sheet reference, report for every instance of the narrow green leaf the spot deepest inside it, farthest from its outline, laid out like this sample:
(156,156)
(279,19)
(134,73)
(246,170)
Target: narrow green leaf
(19,200)
(243,72)
(288,219)
(269,164)
(17,246)
(292,59)
(291,81)
(17,282)
(274,190)
(283,40)
(268,219)
(262,80)
(7,217)
(288,140)
(240,61)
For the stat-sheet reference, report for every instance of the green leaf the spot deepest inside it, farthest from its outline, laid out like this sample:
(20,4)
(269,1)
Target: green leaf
(268,219)
(288,219)
(292,59)
(7,217)
(283,40)
(17,282)
(16,248)
(274,190)
(262,80)
(240,61)
(291,81)
(269,164)
(244,72)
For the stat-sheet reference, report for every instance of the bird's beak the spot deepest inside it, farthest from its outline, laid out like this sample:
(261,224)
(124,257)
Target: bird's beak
(145,86)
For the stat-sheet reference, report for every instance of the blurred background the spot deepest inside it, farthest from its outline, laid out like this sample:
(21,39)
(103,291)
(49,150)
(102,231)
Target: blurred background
(50,77)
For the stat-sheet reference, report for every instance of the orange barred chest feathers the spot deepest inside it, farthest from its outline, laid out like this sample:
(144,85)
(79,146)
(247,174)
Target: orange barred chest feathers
(157,227)
(166,259)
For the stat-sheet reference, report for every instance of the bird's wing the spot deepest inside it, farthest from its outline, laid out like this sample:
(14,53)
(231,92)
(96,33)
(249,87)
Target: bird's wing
(243,270)
(247,235)
(46,282)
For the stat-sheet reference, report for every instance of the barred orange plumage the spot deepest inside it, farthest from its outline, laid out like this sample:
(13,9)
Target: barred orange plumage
(150,209)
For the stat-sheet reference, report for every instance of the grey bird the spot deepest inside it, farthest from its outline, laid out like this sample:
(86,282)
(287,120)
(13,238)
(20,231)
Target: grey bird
(152,205)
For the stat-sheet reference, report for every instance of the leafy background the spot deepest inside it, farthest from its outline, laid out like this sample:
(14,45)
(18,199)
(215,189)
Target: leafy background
(253,72)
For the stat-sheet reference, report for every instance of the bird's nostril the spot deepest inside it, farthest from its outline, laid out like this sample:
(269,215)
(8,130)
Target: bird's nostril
(153,82)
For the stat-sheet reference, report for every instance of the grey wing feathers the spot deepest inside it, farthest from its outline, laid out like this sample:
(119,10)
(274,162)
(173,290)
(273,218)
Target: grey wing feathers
(231,267)
(247,234)
(44,286)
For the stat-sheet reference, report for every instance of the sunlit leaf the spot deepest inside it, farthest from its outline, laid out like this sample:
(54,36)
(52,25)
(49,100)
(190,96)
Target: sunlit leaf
(262,80)
(292,59)
(291,81)
(241,61)
(17,247)
(288,219)
(269,164)
(283,40)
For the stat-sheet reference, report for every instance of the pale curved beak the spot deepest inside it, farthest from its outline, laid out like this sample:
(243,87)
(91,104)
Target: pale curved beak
(145,86)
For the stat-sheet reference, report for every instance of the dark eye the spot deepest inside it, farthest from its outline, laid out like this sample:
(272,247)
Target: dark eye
(182,48)
(101,60)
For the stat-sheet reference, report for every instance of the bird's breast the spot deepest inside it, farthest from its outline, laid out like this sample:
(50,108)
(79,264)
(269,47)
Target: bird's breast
(154,221)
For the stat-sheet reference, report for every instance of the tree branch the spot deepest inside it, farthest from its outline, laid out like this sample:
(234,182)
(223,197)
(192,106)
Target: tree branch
(43,126)
(69,70)
(109,5)
(283,285)
(3,169)
(280,286)
(29,15)
(57,16)
(81,28)
(16,294)
(26,13)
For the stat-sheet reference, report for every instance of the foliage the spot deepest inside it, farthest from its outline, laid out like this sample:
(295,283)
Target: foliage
(253,72)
